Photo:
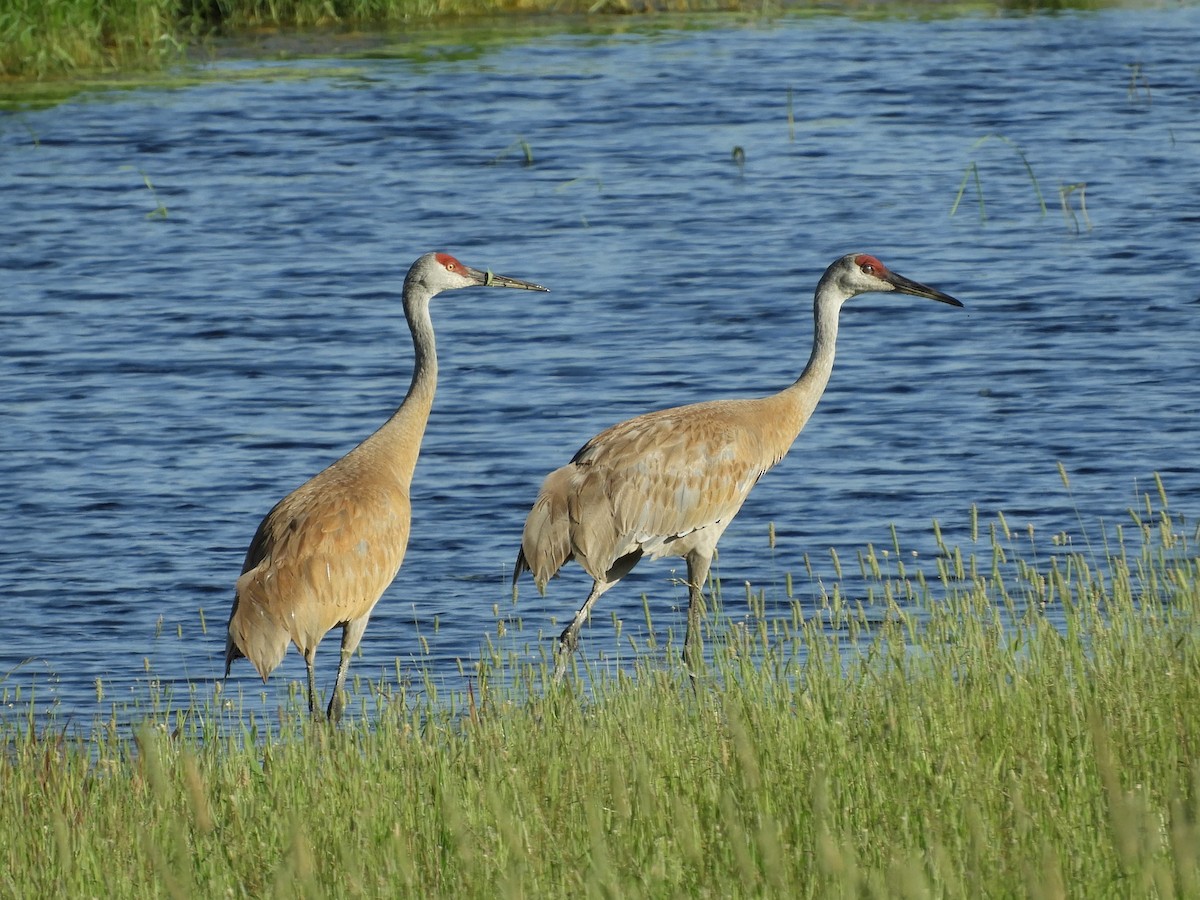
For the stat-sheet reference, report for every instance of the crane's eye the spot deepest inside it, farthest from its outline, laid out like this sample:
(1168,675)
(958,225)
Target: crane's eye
(868,269)
(450,267)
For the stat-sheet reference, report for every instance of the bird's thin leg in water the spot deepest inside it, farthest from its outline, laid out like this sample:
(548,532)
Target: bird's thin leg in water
(693,641)
(569,639)
(352,633)
(309,656)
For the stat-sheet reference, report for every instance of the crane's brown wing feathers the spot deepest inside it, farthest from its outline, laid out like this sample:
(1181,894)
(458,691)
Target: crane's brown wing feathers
(646,482)
(323,556)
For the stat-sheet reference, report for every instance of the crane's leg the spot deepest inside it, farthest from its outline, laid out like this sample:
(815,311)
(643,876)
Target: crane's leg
(698,564)
(352,633)
(569,639)
(310,656)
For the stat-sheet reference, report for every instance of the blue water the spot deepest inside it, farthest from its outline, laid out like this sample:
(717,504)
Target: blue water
(200,310)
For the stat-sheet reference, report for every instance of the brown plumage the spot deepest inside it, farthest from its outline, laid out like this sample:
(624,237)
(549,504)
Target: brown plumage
(326,552)
(668,483)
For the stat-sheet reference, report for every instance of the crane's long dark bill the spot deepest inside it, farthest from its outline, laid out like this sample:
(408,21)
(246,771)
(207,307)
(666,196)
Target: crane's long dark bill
(490,279)
(908,286)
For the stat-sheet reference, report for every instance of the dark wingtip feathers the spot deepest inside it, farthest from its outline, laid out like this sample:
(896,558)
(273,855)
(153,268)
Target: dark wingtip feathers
(522,565)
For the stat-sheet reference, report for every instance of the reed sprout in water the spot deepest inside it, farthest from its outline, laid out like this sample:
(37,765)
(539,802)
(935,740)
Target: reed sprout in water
(1015,713)
(972,172)
(1065,193)
(1137,83)
(519,144)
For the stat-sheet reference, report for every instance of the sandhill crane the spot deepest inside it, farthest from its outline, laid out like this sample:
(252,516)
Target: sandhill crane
(326,552)
(668,483)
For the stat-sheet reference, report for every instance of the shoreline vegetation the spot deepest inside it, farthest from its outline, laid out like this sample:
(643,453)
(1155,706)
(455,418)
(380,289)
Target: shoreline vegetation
(82,39)
(1019,716)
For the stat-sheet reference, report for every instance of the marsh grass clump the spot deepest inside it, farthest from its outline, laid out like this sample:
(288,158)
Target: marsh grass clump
(55,38)
(40,38)
(1023,716)
(93,40)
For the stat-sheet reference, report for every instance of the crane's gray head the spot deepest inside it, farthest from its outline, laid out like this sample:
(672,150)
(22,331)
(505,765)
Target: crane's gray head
(436,272)
(861,273)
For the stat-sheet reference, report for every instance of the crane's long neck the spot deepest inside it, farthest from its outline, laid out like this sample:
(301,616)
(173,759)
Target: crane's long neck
(397,443)
(792,406)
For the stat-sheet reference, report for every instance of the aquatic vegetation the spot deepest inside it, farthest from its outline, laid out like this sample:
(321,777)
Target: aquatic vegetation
(1023,715)
(519,144)
(1065,193)
(972,171)
(1137,84)
(160,209)
(39,38)
(70,38)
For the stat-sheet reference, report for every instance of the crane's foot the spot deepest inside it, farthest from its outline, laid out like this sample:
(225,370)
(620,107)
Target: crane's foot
(337,704)
(568,641)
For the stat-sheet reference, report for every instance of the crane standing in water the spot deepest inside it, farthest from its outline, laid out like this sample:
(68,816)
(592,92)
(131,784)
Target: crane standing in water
(668,483)
(326,552)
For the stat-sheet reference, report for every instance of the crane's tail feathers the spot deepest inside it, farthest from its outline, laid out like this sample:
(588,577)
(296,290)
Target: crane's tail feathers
(266,652)
(231,653)
(522,565)
(546,540)
(253,632)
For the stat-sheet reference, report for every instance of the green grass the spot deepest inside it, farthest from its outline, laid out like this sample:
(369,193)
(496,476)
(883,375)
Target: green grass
(938,737)
(42,39)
